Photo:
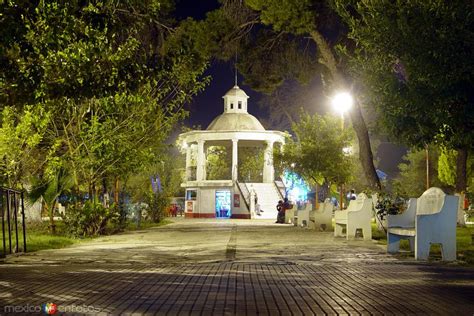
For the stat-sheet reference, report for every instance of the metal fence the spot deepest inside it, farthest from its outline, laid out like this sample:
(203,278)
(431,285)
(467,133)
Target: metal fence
(12,212)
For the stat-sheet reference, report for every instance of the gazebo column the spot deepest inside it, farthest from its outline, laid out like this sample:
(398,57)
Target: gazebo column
(268,170)
(235,155)
(201,161)
(188,163)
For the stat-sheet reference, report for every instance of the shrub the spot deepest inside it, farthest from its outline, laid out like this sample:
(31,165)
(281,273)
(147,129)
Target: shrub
(89,219)
(157,204)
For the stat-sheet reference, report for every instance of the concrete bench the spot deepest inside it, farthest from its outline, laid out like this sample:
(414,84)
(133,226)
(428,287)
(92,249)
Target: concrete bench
(430,219)
(322,217)
(301,216)
(357,216)
(289,215)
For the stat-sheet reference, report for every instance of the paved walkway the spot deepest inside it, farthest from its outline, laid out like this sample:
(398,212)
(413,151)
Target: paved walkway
(232,267)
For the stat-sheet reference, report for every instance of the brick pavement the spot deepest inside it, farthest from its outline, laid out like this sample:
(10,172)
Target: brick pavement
(246,269)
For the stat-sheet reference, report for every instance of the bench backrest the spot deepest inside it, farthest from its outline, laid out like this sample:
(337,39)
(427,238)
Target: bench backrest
(361,202)
(405,219)
(327,206)
(430,202)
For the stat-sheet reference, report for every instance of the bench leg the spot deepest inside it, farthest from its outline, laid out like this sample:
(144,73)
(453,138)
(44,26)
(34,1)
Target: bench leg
(367,232)
(393,243)
(448,250)
(350,232)
(411,240)
(422,248)
(337,230)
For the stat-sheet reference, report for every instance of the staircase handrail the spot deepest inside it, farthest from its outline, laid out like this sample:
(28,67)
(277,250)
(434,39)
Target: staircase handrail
(280,186)
(244,192)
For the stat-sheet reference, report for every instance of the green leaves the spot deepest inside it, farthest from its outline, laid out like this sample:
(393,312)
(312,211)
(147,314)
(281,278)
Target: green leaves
(317,154)
(100,70)
(20,134)
(293,16)
(415,62)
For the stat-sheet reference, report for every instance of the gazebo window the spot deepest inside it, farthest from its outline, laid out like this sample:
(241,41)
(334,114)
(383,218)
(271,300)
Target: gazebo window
(240,105)
(231,106)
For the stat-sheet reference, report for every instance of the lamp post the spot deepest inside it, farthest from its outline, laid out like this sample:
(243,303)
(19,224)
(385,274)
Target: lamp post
(341,103)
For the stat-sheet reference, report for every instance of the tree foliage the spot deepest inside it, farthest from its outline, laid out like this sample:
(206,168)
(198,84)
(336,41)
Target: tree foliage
(411,181)
(219,162)
(415,60)
(317,153)
(92,87)
(251,162)
(447,166)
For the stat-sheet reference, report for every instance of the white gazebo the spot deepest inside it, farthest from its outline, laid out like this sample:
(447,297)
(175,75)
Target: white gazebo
(229,197)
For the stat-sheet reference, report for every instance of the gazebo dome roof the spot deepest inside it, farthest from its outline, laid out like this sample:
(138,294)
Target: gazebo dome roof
(235,122)
(236,92)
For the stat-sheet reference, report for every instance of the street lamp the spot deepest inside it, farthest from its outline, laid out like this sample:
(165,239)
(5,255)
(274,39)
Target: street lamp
(342,102)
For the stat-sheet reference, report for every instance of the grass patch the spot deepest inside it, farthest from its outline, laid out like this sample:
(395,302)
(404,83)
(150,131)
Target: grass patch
(464,244)
(35,241)
(38,236)
(131,226)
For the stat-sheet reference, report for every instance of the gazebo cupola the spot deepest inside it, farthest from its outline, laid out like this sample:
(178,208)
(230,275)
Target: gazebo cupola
(235,101)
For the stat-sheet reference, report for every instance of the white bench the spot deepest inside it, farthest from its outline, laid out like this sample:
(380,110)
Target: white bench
(428,219)
(301,217)
(322,218)
(289,215)
(357,216)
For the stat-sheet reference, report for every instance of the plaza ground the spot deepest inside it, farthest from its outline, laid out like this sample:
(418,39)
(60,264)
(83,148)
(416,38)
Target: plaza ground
(233,267)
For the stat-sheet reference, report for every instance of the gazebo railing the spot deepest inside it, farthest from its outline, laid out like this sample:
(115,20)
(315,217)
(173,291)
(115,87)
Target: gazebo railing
(280,188)
(11,205)
(244,191)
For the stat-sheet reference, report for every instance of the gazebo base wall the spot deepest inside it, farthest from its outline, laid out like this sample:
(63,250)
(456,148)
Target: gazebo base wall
(240,216)
(199,215)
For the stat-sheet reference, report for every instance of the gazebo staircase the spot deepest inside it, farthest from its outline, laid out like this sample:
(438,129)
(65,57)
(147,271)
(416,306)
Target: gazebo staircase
(268,196)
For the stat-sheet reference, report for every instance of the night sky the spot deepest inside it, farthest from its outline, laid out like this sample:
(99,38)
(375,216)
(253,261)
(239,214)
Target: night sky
(209,103)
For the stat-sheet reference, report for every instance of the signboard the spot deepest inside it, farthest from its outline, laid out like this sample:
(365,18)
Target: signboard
(236,200)
(189,206)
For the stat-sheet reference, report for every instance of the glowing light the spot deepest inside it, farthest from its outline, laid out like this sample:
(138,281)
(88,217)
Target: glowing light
(342,102)
(296,188)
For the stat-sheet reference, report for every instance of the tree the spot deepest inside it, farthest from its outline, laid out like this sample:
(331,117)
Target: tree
(106,77)
(415,60)
(317,153)
(251,162)
(106,86)
(218,163)
(447,166)
(412,178)
(20,134)
(307,18)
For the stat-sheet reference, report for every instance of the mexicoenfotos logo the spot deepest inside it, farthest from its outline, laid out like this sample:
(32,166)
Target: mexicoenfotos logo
(50,308)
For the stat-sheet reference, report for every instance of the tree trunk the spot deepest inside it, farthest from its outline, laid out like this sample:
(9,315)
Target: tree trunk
(52,225)
(365,151)
(116,192)
(461,170)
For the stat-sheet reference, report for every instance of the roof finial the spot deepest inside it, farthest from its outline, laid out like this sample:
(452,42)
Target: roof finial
(235,66)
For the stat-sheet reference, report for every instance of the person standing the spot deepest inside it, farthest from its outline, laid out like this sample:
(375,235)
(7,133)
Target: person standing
(279,208)
(352,195)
